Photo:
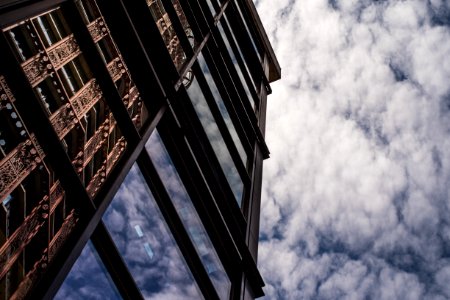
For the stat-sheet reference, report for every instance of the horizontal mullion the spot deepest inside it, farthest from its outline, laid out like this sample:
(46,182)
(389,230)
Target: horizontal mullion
(15,11)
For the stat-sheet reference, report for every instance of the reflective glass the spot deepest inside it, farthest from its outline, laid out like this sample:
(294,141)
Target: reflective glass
(167,30)
(244,20)
(239,50)
(223,110)
(188,215)
(88,279)
(236,64)
(211,6)
(143,239)
(215,137)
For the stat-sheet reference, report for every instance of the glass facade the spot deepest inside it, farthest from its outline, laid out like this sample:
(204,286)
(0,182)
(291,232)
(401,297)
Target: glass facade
(144,242)
(88,279)
(188,215)
(130,149)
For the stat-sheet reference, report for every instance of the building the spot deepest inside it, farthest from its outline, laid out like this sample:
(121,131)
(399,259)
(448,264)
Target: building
(131,148)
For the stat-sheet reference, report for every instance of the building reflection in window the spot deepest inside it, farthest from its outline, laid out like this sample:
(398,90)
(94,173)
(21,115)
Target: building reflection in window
(188,215)
(215,137)
(88,279)
(143,240)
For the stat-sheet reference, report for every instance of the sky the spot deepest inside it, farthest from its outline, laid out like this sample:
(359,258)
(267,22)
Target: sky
(356,192)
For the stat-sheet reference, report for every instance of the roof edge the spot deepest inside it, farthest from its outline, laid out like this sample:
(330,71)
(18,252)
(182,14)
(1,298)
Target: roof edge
(274,66)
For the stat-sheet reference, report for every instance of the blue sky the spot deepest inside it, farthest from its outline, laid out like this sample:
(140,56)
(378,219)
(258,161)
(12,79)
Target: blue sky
(356,192)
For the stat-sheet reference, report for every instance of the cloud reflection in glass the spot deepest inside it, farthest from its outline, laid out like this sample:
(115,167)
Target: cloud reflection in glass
(88,279)
(143,239)
(215,137)
(188,215)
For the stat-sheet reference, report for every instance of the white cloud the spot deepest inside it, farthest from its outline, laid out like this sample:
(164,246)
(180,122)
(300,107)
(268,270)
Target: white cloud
(355,196)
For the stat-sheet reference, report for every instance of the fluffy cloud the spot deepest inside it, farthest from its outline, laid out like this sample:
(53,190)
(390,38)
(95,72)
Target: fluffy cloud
(356,198)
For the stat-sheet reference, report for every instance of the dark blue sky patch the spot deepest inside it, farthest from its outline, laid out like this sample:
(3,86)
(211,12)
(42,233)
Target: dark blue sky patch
(399,74)
(381,136)
(399,202)
(333,4)
(329,244)
(445,107)
(410,262)
(286,11)
(437,160)
(439,16)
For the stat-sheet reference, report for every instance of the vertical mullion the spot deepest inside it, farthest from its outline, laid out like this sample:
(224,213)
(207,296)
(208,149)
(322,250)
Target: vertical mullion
(240,60)
(153,44)
(200,193)
(236,83)
(114,263)
(214,109)
(243,128)
(58,159)
(250,55)
(214,55)
(176,226)
(209,97)
(100,73)
(186,165)
(253,33)
(17,12)
(138,62)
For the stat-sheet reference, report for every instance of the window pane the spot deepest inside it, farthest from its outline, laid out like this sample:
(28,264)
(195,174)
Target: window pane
(244,20)
(236,64)
(246,69)
(218,144)
(88,279)
(147,247)
(223,110)
(188,215)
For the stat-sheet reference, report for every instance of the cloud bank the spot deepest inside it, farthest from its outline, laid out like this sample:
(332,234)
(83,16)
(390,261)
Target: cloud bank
(356,192)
